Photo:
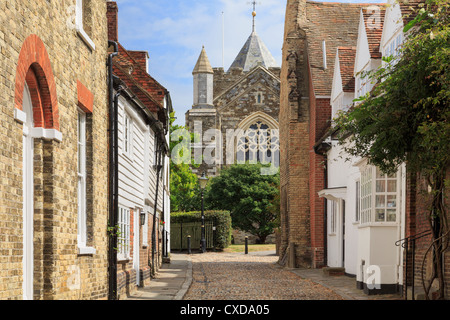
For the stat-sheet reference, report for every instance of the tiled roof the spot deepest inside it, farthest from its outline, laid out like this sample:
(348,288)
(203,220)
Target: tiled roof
(143,95)
(373,22)
(137,77)
(346,63)
(409,9)
(337,24)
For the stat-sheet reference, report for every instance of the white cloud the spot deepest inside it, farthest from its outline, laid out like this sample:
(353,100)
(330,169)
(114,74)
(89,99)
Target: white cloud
(173,33)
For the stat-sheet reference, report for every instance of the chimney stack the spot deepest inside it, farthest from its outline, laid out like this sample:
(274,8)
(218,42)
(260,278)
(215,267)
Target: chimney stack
(112,15)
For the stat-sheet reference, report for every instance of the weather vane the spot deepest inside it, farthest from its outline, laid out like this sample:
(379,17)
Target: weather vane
(254,3)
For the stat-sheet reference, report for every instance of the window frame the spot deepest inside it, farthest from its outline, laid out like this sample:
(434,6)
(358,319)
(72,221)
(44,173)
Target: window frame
(358,201)
(333,217)
(256,144)
(80,26)
(369,194)
(81,180)
(127,136)
(124,235)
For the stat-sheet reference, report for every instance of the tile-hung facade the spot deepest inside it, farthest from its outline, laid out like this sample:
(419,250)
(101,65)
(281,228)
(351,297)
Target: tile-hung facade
(143,106)
(241,105)
(348,215)
(53,191)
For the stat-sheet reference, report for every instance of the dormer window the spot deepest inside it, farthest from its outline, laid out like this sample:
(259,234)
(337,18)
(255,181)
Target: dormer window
(83,22)
(393,46)
(361,85)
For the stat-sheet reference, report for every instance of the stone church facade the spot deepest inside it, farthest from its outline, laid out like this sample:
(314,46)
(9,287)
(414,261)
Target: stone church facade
(235,113)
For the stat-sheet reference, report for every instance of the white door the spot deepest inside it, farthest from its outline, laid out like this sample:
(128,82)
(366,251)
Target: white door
(28,196)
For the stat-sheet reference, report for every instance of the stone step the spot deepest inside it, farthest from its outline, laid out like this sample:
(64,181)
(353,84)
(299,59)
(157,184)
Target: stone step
(333,271)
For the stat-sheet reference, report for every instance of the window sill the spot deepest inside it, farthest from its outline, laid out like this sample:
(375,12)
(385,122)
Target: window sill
(378,224)
(128,157)
(84,251)
(86,39)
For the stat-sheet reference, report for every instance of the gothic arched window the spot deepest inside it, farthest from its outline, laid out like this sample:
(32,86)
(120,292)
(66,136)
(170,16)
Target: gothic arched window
(259,143)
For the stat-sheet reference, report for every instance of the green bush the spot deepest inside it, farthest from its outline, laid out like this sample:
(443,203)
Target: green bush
(220,219)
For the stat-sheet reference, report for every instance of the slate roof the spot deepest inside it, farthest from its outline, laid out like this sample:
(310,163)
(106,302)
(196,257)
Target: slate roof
(254,53)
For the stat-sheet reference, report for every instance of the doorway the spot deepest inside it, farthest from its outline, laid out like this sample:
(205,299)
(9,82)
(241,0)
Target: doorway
(28,197)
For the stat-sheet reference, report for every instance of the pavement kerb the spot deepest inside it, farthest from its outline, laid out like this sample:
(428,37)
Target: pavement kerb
(187,282)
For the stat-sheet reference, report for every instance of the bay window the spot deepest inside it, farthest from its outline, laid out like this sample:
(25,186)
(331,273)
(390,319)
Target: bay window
(379,194)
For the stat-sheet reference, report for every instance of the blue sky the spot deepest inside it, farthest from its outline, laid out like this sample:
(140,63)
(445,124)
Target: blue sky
(174,31)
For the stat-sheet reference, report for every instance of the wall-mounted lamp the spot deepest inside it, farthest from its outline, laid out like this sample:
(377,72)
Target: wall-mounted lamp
(142,218)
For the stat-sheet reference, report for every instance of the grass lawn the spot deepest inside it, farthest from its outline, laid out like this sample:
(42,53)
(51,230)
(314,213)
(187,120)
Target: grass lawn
(251,247)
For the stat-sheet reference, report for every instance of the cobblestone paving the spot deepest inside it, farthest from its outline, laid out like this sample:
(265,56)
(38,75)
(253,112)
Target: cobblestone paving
(235,276)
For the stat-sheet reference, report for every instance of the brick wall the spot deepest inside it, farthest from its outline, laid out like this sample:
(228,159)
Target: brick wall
(417,212)
(57,264)
(294,143)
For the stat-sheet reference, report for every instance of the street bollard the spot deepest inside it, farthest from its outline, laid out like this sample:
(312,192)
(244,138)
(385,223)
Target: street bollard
(246,245)
(189,244)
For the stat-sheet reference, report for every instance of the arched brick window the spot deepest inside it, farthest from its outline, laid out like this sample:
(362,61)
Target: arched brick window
(34,68)
(36,107)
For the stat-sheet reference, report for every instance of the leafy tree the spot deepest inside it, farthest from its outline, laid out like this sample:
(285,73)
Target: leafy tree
(248,195)
(184,187)
(406,117)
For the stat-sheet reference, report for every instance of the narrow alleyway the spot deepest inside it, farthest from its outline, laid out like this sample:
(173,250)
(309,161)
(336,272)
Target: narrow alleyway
(256,276)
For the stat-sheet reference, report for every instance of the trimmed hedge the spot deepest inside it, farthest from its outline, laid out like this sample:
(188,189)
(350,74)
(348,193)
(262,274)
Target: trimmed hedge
(220,219)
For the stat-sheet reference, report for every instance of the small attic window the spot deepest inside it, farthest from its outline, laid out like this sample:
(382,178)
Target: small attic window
(259,98)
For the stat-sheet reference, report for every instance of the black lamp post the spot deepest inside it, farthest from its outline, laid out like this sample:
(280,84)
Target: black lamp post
(203,181)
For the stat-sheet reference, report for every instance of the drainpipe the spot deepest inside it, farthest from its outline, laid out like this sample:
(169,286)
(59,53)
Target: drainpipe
(321,148)
(158,169)
(113,186)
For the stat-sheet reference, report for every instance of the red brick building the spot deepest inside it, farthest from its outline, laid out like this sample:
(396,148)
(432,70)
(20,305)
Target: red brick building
(313,33)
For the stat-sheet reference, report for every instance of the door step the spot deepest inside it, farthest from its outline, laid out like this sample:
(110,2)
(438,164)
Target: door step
(333,271)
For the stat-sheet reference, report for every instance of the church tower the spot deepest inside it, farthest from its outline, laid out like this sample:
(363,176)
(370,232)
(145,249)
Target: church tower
(203,82)
(246,98)
(203,114)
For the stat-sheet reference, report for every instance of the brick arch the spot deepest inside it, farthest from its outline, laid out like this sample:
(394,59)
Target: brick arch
(35,69)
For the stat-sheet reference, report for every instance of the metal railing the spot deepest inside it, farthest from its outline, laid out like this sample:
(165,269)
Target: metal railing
(407,243)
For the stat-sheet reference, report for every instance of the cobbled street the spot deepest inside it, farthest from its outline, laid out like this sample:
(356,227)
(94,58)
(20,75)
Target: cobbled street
(257,276)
